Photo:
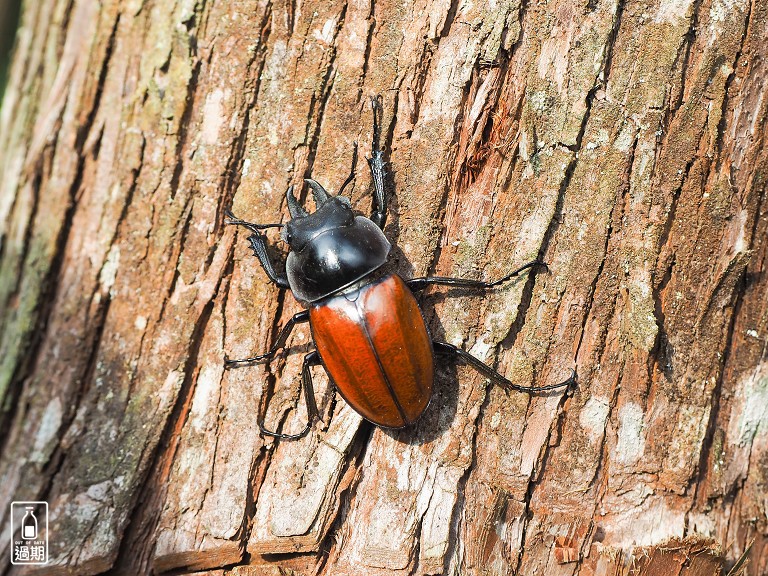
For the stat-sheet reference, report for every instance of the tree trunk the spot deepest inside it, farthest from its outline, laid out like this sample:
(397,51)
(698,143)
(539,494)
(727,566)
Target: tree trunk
(622,142)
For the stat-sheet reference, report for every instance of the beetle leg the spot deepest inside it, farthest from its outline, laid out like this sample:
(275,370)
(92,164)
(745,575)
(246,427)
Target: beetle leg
(297,318)
(259,246)
(416,284)
(311,359)
(454,351)
(376,164)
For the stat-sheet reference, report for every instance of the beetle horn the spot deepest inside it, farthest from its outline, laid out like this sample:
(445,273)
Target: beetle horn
(321,196)
(296,210)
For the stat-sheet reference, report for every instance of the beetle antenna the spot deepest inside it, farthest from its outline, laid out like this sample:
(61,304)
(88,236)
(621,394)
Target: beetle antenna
(232,219)
(352,171)
(295,209)
(321,196)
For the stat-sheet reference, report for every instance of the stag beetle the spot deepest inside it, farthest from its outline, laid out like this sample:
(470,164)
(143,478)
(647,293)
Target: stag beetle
(367,327)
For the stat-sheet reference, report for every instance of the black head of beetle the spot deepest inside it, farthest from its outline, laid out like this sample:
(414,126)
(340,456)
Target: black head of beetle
(331,248)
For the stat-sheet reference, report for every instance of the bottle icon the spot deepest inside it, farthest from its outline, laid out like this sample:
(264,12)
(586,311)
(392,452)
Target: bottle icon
(29,525)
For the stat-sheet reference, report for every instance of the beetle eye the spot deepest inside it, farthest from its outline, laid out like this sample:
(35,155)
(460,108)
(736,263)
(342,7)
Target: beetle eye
(344,200)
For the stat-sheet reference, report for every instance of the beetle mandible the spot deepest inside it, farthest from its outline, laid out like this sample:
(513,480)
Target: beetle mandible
(367,327)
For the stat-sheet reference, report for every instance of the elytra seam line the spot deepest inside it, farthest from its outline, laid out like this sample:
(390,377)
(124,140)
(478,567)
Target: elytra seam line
(367,333)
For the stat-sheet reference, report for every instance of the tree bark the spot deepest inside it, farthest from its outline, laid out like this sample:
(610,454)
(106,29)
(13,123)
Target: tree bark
(623,142)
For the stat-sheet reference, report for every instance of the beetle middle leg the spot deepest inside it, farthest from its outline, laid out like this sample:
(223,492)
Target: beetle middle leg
(416,284)
(297,318)
(457,353)
(259,246)
(313,414)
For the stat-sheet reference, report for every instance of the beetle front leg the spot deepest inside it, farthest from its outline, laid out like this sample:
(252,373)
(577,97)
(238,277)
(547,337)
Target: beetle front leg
(457,353)
(297,318)
(376,164)
(313,414)
(259,246)
(416,284)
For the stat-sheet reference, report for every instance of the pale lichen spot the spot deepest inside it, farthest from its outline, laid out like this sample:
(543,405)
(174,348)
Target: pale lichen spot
(553,58)
(538,101)
(169,388)
(533,226)
(750,408)
(109,269)
(457,338)
(720,9)
(403,471)
(630,443)
(481,349)
(522,147)
(206,394)
(626,137)
(702,523)
(642,327)
(266,188)
(644,519)
(583,228)
(593,416)
(325,35)
(672,11)
(49,426)
(100,491)
(739,222)
(213,116)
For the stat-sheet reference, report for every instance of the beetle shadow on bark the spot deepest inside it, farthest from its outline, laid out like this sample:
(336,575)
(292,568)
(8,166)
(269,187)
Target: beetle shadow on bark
(441,411)
(442,407)
(440,414)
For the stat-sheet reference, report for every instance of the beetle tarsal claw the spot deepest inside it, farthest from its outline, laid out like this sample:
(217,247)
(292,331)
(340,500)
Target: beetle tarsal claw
(321,196)
(296,210)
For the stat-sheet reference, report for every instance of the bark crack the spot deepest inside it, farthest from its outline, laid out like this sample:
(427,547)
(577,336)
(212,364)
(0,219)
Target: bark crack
(185,125)
(142,521)
(727,89)
(451,551)
(685,51)
(33,339)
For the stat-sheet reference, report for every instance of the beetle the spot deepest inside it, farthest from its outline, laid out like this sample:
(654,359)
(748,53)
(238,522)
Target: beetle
(368,329)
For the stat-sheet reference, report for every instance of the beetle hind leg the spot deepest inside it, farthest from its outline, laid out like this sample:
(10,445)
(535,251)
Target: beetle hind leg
(313,414)
(457,353)
(416,284)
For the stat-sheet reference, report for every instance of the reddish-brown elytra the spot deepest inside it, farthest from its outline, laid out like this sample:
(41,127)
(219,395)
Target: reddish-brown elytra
(366,324)
(375,346)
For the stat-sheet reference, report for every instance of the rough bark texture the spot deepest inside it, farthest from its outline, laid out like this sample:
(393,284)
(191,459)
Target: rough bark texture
(623,142)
